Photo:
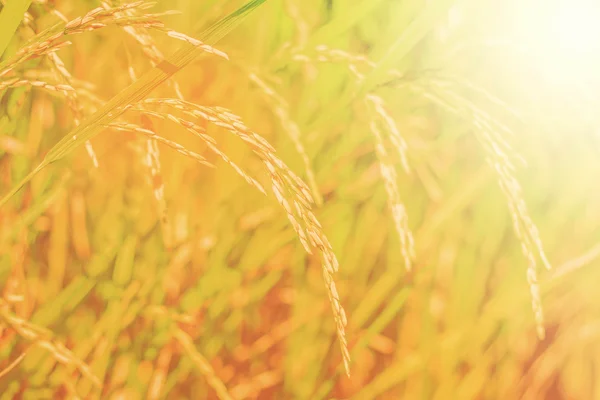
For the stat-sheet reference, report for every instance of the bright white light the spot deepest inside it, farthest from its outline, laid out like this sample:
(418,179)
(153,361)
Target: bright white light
(575,28)
(564,36)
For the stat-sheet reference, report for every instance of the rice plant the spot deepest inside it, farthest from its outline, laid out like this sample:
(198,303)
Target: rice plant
(299,199)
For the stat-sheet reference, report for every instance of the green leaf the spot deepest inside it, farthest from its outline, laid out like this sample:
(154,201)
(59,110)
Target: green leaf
(10,18)
(124,262)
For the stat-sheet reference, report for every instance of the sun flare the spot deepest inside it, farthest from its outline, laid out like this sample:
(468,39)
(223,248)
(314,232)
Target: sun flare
(563,35)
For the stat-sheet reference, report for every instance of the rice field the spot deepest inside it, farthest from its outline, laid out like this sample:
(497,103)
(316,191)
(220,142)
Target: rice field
(285,199)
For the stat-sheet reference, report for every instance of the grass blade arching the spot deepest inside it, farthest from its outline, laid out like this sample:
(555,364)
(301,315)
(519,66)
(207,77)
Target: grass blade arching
(136,92)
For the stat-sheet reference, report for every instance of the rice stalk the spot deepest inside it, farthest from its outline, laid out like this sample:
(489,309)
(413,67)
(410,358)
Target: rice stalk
(149,48)
(377,106)
(132,128)
(93,20)
(156,181)
(389,175)
(66,78)
(133,93)
(388,172)
(494,143)
(234,284)
(497,157)
(497,148)
(13,364)
(291,193)
(281,110)
(202,364)
(301,25)
(257,384)
(73,101)
(161,371)
(40,337)
(325,54)
(152,161)
(579,262)
(200,133)
(18,82)
(49,40)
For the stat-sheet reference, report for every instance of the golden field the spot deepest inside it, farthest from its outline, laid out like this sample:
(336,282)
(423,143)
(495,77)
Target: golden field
(285,199)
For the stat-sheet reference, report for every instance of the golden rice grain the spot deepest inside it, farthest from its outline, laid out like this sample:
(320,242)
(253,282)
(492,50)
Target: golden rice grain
(287,188)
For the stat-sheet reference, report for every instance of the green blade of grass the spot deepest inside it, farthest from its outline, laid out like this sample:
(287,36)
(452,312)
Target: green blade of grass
(125,260)
(10,18)
(424,23)
(383,319)
(136,92)
(343,22)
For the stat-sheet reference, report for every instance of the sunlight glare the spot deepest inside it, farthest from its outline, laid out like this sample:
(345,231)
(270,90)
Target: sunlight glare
(564,36)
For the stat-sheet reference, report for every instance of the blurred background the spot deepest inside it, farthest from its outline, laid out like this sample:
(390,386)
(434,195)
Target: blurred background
(451,148)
